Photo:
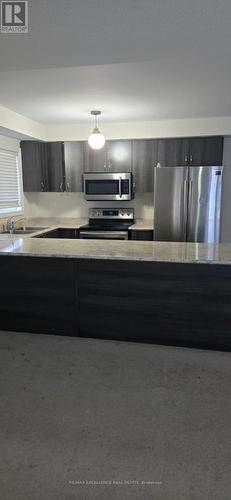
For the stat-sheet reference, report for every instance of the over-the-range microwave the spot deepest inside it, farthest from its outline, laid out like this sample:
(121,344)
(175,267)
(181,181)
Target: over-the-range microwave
(108,186)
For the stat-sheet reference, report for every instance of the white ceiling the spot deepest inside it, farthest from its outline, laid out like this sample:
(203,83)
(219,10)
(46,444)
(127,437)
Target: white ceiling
(133,59)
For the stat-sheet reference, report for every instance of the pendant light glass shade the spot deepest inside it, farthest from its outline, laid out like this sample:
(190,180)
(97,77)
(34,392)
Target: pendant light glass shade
(96,140)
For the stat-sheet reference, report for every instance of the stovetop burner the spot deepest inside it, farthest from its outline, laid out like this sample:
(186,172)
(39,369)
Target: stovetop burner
(106,226)
(110,219)
(108,223)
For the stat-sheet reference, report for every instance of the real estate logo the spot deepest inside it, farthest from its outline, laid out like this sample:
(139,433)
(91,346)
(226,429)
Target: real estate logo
(14,17)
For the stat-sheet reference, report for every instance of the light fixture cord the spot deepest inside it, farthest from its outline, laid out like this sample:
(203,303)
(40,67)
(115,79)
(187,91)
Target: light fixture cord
(96,121)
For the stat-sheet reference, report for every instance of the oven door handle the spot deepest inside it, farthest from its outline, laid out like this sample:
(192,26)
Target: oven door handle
(120,187)
(110,235)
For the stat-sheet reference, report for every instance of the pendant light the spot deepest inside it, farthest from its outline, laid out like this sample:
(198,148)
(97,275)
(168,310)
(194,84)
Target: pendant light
(96,140)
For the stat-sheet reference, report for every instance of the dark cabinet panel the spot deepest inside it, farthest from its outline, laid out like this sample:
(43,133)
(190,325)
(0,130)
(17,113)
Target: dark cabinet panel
(175,304)
(37,295)
(206,151)
(141,235)
(74,165)
(172,152)
(115,156)
(194,151)
(119,156)
(144,160)
(94,160)
(59,167)
(35,166)
(55,158)
(166,303)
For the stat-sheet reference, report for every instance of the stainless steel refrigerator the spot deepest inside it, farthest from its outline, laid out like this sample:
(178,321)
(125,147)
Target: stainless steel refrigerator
(187,203)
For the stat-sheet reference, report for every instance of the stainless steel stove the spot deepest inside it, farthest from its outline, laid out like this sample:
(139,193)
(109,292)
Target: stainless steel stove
(108,224)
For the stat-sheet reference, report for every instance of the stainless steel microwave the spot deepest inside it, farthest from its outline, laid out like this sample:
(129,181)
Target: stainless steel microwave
(108,186)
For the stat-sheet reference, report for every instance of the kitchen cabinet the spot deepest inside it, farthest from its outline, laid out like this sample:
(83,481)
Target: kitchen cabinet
(43,166)
(74,165)
(117,299)
(55,166)
(194,151)
(35,166)
(144,160)
(37,295)
(206,151)
(94,160)
(52,166)
(119,156)
(115,156)
(164,302)
(172,152)
(141,234)
(59,166)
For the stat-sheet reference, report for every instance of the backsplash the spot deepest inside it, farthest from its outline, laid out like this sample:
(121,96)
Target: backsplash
(74,205)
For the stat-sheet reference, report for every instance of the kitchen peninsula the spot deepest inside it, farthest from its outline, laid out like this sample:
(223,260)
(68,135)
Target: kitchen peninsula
(167,293)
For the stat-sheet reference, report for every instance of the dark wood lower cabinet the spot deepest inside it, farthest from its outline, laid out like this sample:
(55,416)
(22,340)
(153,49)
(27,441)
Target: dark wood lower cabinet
(37,295)
(141,234)
(165,303)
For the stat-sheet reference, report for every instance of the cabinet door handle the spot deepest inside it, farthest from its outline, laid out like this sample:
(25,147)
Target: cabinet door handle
(186,159)
(109,166)
(42,186)
(68,186)
(105,166)
(191,158)
(61,186)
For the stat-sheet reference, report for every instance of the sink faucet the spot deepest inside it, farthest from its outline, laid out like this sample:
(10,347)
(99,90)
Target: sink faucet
(10,224)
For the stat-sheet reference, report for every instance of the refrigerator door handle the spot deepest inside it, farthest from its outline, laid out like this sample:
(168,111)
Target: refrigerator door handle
(190,192)
(185,208)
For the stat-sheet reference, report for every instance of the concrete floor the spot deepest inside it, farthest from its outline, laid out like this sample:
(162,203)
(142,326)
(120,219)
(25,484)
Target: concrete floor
(90,410)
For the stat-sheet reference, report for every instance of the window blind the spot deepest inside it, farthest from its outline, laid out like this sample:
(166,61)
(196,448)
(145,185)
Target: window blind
(10,182)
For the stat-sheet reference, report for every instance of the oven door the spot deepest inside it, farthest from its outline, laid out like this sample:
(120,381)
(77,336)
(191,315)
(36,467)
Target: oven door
(107,186)
(103,235)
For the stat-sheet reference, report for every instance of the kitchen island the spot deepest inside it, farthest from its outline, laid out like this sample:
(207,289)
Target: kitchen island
(167,293)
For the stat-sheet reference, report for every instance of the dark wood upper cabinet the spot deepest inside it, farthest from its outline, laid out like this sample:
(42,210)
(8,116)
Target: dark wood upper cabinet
(119,156)
(115,156)
(55,161)
(205,151)
(194,151)
(74,165)
(59,166)
(94,160)
(172,152)
(144,160)
(35,166)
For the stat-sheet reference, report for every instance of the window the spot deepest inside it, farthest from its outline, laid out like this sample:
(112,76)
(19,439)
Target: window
(11,192)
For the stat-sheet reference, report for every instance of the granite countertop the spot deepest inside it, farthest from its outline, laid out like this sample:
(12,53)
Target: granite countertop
(149,251)
(142,225)
(73,223)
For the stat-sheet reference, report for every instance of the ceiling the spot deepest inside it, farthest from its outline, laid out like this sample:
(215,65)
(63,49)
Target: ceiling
(133,59)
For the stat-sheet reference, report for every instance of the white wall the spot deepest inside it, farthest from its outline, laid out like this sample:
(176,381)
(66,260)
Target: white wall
(20,126)
(142,129)
(74,205)
(9,143)
(226,197)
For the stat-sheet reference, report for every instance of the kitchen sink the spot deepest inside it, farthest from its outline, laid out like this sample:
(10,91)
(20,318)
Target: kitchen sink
(24,230)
